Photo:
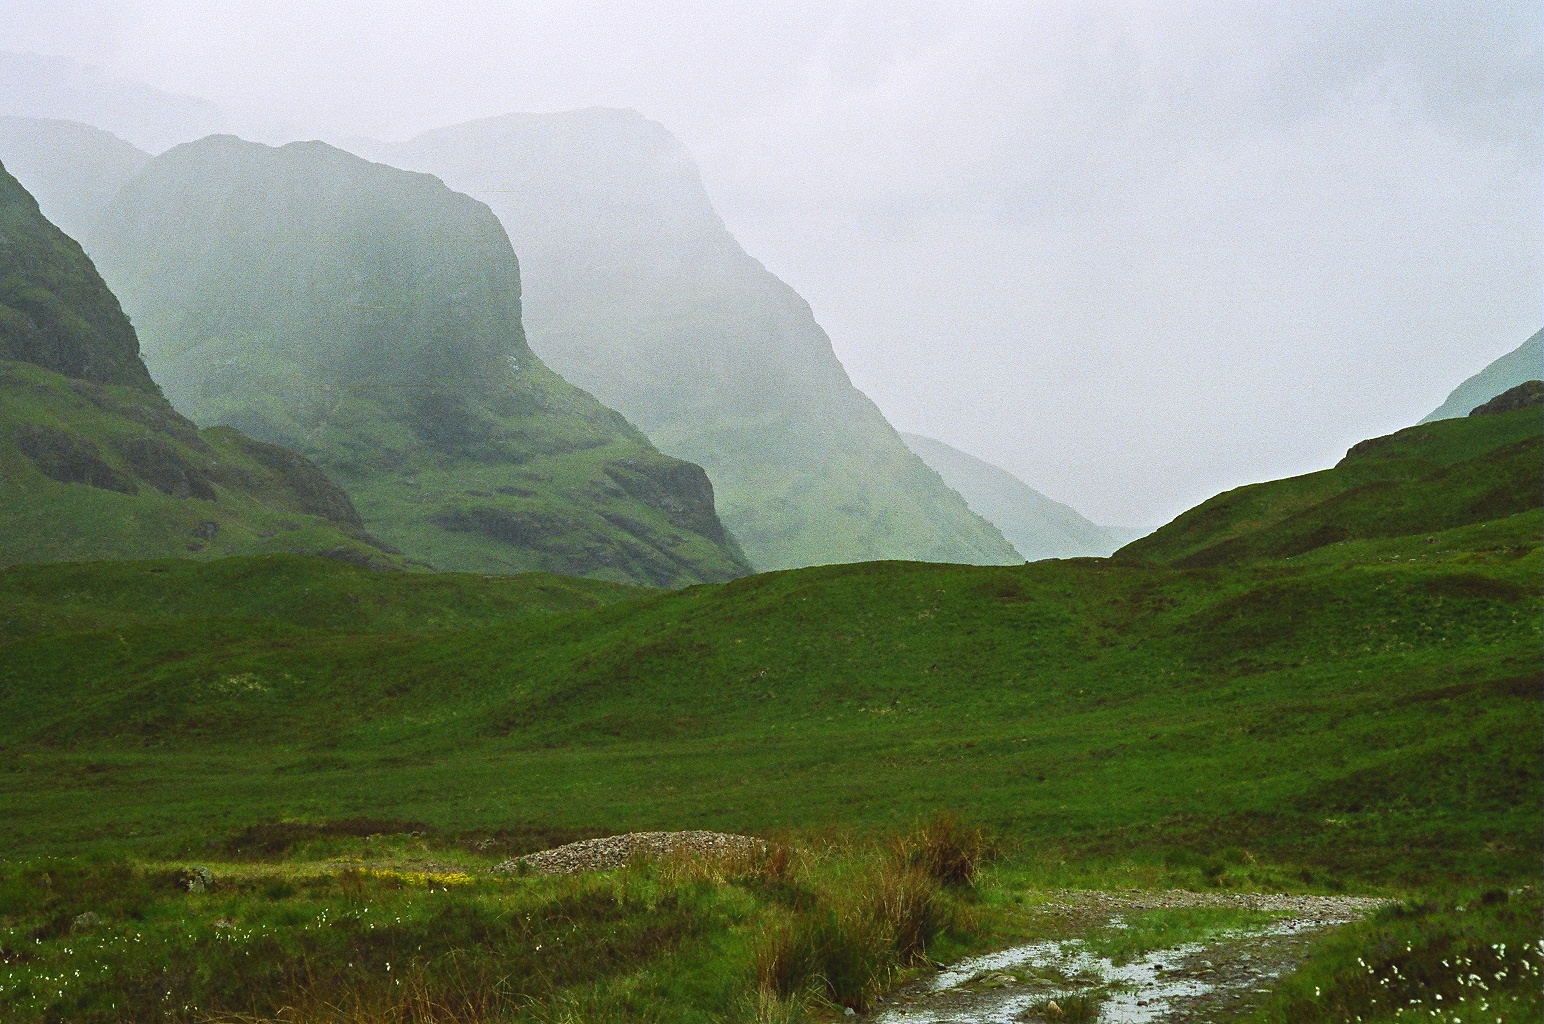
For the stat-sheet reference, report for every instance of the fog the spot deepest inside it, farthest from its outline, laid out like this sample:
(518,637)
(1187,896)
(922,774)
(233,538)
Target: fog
(1134,253)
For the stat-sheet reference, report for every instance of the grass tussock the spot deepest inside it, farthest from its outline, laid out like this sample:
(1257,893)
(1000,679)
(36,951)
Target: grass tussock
(1080,1007)
(945,849)
(856,938)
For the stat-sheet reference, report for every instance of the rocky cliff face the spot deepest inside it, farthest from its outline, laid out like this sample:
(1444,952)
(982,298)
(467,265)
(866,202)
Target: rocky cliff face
(635,291)
(94,463)
(370,318)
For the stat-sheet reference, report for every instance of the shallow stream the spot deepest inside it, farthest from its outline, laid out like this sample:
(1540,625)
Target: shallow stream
(1195,982)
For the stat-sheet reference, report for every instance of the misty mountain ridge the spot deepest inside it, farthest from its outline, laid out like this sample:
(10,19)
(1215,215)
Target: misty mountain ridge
(95,463)
(1038,526)
(39,86)
(1524,363)
(636,291)
(73,170)
(369,318)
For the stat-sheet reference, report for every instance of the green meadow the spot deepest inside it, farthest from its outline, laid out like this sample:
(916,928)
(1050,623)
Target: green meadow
(1228,705)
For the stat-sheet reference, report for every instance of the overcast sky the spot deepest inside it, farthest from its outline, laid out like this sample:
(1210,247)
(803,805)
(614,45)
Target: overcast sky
(1134,252)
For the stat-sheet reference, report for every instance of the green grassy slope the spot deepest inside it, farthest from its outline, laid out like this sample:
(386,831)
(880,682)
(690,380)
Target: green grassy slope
(1431,477)
(1371,707)
(97,472)
(297,591)
(94,463)
(370,319)
(636,292)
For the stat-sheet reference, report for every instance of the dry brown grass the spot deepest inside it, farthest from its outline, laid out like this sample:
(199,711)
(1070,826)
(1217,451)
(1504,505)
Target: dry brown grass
(771,862)
(944,848)
(849,946)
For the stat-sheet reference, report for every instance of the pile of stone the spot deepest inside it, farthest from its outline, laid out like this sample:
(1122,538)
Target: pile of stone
(617,851)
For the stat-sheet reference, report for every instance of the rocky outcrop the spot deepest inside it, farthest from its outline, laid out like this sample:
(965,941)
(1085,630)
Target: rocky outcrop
(1526,395)
(612,852)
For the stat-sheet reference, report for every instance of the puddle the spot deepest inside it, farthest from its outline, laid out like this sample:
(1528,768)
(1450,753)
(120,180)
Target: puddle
(1193,982)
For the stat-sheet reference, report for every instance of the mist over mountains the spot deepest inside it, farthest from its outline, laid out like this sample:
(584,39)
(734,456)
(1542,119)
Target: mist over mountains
(636,292)
(369,318)
(1038,526)
(34,85)
(1524,363)
(95,463)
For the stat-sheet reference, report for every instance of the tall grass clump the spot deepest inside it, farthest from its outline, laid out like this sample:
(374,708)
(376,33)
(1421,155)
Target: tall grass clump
(851,944)
(945,849)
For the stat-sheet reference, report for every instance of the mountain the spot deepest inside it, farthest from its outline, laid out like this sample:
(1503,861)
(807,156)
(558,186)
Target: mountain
(1429,478)
(94,463)
(1036,525)
(34,85)
(1524,363)
(637,292)
(73,170)
(370,318)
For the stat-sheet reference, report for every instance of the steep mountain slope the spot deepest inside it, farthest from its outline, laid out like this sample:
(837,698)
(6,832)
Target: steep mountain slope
(1524,363)
(73,170)
(370,318)
(36,85)
(636,292)
(1036,525)
(1428,478)
(94,463)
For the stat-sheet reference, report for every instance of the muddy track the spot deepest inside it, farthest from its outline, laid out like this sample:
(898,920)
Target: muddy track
(1195,983)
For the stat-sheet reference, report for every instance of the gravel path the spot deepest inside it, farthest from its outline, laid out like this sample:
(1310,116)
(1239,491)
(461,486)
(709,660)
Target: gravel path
(615,851)
(1328,908)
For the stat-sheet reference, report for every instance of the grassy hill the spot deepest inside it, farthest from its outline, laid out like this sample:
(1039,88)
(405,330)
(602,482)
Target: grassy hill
(637,292)
(352,750)
(370,319)
(1369,708)
(1429,478)
(94,463)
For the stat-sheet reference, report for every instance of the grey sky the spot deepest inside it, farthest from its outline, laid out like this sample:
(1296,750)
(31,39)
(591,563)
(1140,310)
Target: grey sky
(1134,252)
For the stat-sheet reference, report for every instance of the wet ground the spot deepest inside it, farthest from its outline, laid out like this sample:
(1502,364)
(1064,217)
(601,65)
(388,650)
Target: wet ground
(1195,983)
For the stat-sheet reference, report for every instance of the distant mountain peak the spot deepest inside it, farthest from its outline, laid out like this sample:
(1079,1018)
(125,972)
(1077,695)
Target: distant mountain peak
(1038,526)
(38,85)
(636,291)
(1524,363)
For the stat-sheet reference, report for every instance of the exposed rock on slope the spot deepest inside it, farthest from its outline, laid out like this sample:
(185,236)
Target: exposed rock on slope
(370,318)
(94,463)
(1524,363)
(1038,526)
(1527,395)
(635,291)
